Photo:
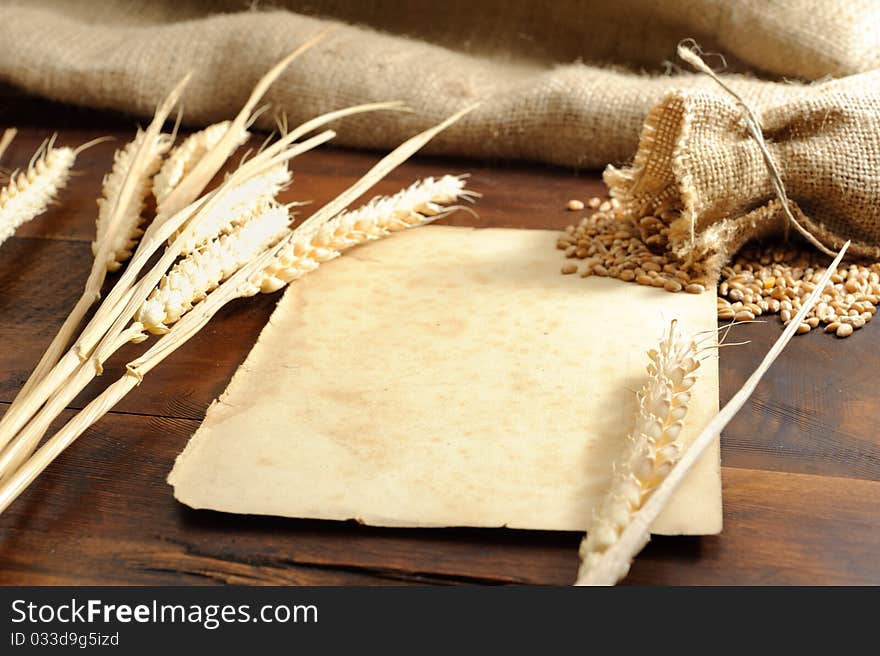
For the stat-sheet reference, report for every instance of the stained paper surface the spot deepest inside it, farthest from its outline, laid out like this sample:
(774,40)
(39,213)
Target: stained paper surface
(447,377)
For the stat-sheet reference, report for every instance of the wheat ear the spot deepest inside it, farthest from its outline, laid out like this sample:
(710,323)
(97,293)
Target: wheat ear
(614,562)
(6,139)
(129,182)
(29,193)
(239,205)
(200,272)
(183,158)
(53,369)
(652,448)
(124,301)
(416,205)
(124,215)
(242,283)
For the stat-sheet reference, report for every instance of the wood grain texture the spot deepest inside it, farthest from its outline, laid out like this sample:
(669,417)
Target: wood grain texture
(801,461)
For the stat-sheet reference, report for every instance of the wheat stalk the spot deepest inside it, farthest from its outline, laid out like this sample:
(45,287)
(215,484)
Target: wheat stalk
(613,563)
(120,215)
(652,448)
(29,193)
(242,283)
(193,277)
(183,159)
(416,205)
(6,139)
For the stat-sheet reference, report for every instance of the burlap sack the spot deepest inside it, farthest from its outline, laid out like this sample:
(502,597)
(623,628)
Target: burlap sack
(698,168)
(523,58)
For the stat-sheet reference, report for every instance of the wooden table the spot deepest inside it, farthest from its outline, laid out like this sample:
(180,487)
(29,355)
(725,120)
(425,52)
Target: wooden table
(801,461)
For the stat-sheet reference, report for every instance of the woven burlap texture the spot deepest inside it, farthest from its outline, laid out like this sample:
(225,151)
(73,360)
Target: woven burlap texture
(696,158)
(522,58)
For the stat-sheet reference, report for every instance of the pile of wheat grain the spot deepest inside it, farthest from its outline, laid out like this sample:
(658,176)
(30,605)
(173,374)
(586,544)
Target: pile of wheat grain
(761,280)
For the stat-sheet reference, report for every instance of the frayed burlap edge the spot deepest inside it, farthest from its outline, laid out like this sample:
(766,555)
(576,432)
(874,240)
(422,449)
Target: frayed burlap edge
(660,182)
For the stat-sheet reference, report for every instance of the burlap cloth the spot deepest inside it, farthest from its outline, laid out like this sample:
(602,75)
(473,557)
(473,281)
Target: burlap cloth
(521,56)
(568,82)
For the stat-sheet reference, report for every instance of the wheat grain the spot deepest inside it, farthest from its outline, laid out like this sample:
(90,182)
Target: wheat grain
(29,193)
(184,158)
(193,277)
(120,217)
(761,279)
(238,205)
(652,448)
(416,205)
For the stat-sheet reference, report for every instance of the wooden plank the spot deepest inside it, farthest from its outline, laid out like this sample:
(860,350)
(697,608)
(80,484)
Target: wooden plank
(815,412)
(779,529)
(104,514)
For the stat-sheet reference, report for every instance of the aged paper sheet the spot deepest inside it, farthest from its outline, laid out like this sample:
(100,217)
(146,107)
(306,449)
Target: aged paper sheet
(447,377)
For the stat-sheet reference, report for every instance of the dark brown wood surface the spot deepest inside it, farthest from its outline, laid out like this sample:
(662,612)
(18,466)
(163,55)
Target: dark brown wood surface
(801,462)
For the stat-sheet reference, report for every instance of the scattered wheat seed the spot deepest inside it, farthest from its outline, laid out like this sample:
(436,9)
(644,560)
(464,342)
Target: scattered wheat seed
(575,205)
(761,279)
